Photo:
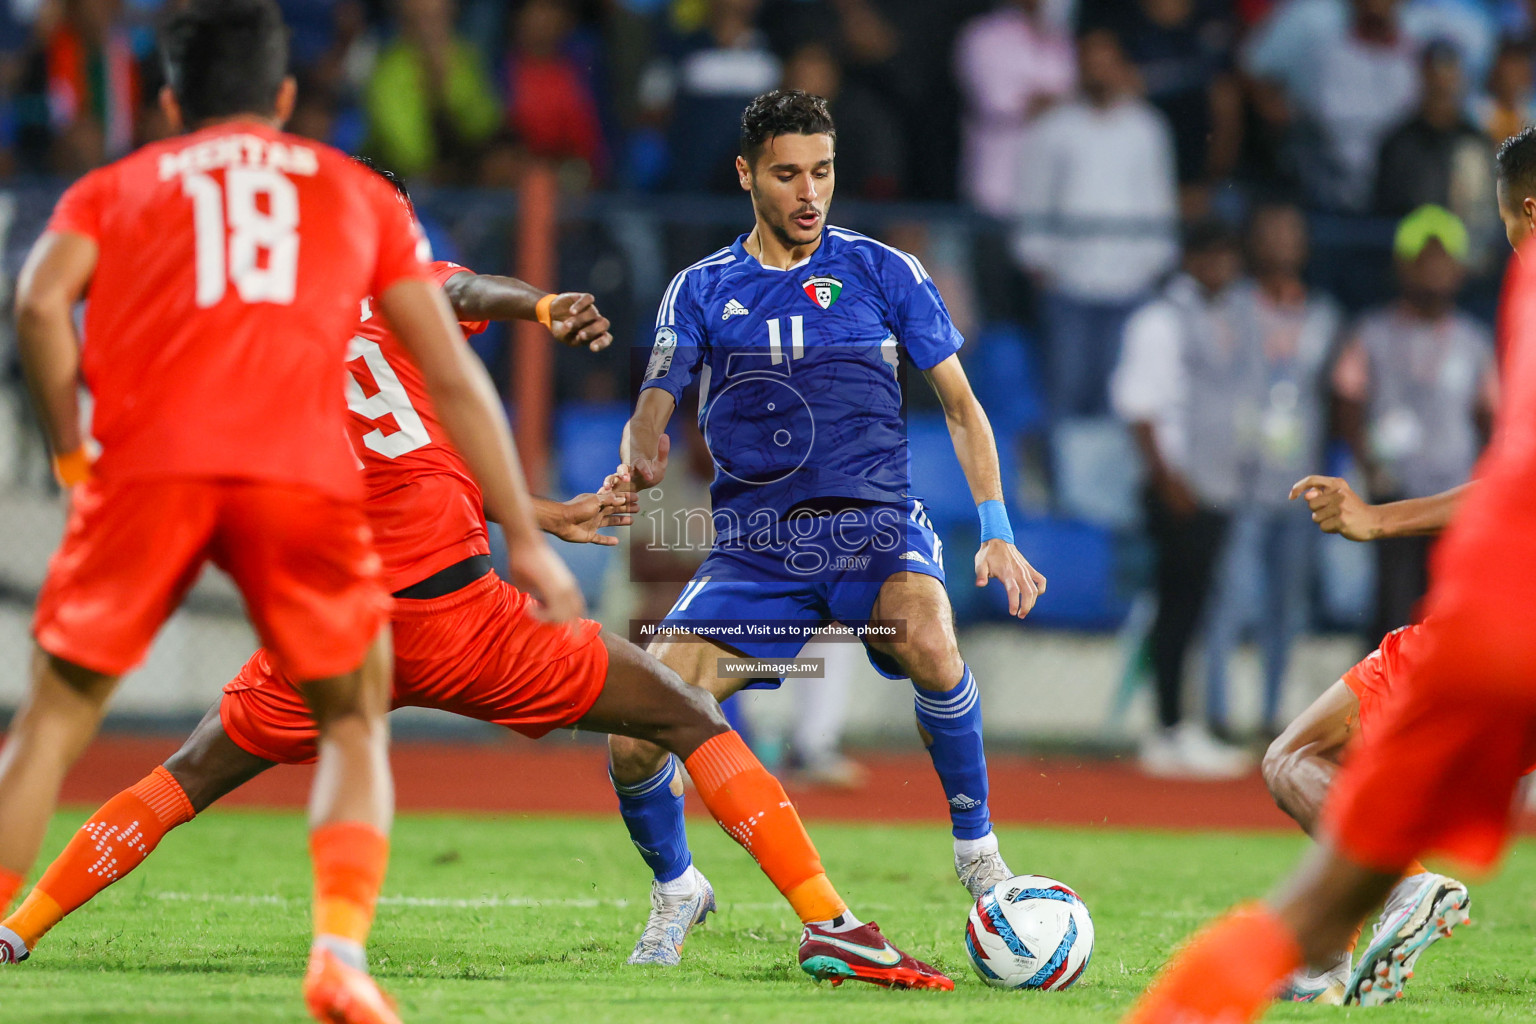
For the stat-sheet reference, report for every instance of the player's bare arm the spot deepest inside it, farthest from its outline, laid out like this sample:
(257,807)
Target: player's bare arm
(645,444)
(572,317)
(53,279)
(976,447)
(471,412)
(1336,508)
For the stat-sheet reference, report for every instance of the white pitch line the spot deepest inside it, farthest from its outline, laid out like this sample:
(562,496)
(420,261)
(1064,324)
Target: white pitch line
(247,899)
(450,903)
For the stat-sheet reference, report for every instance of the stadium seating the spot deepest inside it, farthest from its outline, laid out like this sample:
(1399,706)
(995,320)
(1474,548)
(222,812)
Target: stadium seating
(586,441)
(1004,374)
(1080,562)
(936,474)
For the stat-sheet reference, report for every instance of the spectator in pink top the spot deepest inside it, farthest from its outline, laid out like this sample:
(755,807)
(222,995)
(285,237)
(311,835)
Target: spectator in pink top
(550,105)
(1011,65)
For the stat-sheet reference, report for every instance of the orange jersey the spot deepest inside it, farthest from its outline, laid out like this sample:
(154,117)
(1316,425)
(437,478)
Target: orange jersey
(424,506)
(231,264)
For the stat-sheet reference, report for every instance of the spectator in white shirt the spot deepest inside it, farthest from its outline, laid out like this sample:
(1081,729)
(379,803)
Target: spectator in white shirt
(1176,387)
(1341,84)
(1011,65)
(1098,207)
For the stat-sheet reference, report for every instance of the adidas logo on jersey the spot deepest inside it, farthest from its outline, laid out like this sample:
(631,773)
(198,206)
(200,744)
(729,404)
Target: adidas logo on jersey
(913,556)
(734,308)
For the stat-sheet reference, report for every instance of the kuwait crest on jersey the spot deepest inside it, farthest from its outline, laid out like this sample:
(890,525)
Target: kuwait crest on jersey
(823,290)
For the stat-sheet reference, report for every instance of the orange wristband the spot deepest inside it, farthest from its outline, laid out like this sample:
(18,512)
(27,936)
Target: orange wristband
(72,468)
(542,311)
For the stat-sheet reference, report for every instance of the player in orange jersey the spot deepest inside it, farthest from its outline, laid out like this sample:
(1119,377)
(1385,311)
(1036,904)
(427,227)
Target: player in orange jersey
(1440,771)
(1301,763)
(223,270)
(465,642)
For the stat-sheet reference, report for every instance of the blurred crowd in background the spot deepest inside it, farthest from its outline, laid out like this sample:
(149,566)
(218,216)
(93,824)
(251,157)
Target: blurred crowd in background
(1200,247)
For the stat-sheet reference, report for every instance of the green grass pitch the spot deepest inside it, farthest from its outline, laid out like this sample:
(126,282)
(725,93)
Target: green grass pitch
(529,919)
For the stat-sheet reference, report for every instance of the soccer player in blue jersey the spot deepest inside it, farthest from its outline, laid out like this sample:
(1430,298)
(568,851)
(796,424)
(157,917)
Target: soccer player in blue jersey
(794,335)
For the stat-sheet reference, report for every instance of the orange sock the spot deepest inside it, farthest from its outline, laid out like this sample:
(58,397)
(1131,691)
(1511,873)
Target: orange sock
(350,858)
(10,885)
(753,809)
(1226,974)
(113,842)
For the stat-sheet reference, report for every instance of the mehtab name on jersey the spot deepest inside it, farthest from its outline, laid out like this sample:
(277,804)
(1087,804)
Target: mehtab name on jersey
(239,150)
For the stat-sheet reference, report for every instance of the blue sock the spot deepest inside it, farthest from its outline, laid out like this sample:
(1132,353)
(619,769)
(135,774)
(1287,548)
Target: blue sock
(654,817)
(953,719)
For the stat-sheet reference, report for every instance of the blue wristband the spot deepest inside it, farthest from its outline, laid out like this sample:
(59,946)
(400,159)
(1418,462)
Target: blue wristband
(994,521)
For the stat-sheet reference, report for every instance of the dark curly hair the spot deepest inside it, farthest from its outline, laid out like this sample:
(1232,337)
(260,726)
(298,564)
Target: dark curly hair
(225,57)
(385,173)
(1517,165)
(783,112)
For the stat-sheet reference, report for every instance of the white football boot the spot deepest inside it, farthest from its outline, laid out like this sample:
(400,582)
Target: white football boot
(12,949)
(1325,987)
(1421,910)
(672,917)
(980,867)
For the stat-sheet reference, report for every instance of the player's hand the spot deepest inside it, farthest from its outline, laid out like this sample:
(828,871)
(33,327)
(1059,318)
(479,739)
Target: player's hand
(537,570)
(1336,508)
(1000,560)
(576,322)
(584,515)
(648,472)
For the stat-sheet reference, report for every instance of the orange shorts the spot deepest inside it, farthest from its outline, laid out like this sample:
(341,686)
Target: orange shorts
(1375,677)
(304,562)
(476,652)
(1439,770)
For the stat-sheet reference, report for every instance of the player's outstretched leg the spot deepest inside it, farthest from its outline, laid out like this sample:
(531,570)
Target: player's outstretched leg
(1299,769)
(1231,969)
(948,705)
(350,812)
(127,828)
(648,780)
(60,717)
(660,716)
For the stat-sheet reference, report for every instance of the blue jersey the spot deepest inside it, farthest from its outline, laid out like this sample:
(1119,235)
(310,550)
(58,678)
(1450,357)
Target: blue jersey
(799,393)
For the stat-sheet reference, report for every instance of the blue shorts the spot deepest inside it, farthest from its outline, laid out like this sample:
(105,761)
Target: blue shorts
(763,596)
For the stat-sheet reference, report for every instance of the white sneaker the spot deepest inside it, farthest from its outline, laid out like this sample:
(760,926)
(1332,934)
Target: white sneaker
(1421,910)
(982,868)
(12,949)
(1326,987)
(672,917)
(1187,751)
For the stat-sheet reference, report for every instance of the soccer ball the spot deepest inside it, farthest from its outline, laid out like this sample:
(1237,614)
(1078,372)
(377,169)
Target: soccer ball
(1029,931)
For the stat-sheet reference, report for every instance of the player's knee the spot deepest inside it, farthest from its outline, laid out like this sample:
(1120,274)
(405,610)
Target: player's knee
(1278,764)
(704,722)
(693,718)
(931,659)
(632,761)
